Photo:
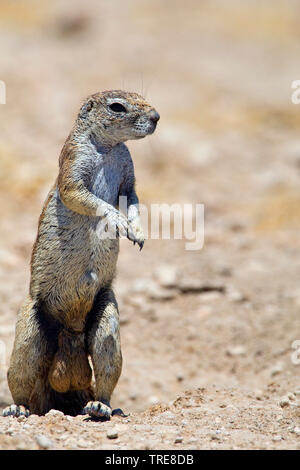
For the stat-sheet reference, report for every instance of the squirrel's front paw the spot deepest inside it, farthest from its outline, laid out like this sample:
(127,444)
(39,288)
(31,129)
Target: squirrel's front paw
(135,233)
(115,223)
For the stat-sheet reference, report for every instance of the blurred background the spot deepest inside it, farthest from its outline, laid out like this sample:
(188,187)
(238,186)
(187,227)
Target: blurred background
(220,75)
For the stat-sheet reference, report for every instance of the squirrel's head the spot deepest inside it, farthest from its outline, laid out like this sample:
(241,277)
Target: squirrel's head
(115,116)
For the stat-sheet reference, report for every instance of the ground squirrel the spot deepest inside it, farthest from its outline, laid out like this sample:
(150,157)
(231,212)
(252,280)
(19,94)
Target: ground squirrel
(71,312)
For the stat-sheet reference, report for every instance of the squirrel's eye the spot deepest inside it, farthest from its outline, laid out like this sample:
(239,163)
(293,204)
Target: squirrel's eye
(118,108)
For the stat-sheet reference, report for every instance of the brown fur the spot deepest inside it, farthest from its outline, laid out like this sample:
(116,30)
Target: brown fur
(70,369)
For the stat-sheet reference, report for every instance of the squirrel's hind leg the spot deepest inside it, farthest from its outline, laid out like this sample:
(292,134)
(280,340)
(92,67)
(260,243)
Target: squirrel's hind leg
(30,361)
(104,346)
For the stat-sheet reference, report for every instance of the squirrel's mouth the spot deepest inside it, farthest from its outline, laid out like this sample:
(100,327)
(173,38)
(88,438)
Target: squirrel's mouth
(153,127)
(146,123)
(143,129)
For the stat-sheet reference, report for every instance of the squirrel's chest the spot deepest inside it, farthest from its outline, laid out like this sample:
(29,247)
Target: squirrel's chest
(106,180)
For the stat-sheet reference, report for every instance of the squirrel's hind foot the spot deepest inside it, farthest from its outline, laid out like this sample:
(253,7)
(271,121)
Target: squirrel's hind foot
(16,411)
(97,409)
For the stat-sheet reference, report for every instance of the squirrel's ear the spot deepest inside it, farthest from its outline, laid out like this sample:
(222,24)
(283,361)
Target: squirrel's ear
(86,108)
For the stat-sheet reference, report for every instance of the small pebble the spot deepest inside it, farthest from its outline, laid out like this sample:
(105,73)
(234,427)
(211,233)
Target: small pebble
(133,396)
(284,401)
(291,396)
(166,275)
(236,351)
(236,296)
(43,441)
(297,430)
(276,370)
(56,413)
(178,439)
(157,293)
(112,433)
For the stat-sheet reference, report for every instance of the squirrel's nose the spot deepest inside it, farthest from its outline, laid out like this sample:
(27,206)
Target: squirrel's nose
(153,116)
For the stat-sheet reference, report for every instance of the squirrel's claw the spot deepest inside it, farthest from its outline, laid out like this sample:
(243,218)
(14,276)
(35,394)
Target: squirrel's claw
(135,233)
(140,243)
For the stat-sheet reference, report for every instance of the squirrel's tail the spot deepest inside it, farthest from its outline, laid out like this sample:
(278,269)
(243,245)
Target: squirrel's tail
(70,369)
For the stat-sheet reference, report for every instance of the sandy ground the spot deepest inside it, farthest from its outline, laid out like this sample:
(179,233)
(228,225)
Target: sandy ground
(219,322)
